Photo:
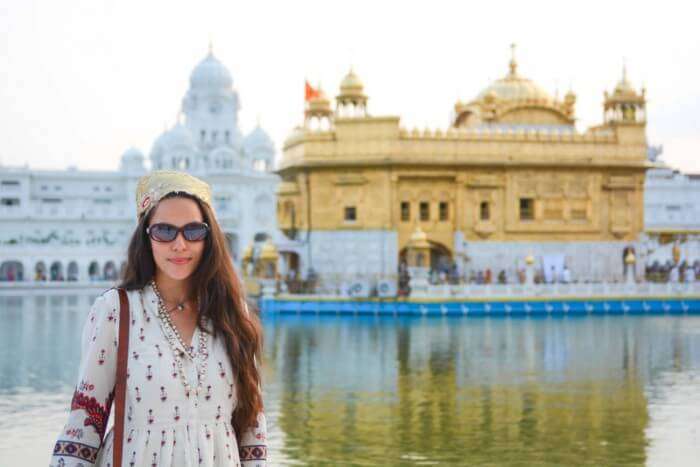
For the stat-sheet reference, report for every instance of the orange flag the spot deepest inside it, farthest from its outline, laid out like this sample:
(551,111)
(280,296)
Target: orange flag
(309,92)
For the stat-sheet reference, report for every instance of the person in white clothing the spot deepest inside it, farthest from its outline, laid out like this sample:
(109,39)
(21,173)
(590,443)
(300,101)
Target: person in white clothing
(193,385)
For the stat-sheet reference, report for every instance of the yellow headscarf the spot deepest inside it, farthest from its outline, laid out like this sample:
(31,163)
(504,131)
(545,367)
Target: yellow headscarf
(154,186)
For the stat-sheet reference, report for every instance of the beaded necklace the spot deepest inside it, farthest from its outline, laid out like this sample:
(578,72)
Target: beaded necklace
(173,336)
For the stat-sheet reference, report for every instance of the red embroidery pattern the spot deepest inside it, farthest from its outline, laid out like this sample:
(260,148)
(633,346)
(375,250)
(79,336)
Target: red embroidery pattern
(77,450)
(96,414)
(253,453)
(76,433)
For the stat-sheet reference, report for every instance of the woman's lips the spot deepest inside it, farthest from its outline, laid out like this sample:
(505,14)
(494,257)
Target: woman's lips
(180,261)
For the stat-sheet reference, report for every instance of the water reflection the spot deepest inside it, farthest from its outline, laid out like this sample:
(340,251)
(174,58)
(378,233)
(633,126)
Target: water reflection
(456,391)
(413,391)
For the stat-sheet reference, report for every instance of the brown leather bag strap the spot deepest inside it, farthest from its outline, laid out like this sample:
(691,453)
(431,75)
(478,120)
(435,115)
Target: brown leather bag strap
(120,384)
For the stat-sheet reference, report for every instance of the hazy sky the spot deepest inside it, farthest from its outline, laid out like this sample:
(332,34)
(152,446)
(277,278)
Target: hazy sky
(83,80)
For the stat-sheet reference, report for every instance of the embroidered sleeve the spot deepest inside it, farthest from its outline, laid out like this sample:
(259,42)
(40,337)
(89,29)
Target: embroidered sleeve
(81,438)
(253,448)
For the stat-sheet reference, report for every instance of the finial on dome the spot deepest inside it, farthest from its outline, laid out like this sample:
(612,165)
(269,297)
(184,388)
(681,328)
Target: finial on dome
(513,64)
(211,47)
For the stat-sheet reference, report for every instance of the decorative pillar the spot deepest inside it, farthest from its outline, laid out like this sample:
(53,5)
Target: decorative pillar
(418,259)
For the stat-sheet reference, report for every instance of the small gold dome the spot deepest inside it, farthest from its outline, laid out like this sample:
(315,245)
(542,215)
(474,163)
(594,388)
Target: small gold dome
(319,105)
(351,85)
(630,258)
(319,101)
(269,251)
(624,88)
(529,260)
(419,239)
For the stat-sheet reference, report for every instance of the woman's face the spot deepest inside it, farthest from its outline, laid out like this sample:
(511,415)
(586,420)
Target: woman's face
(169,256)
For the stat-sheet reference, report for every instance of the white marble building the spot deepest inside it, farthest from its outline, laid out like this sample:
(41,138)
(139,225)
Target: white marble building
(75,224)
(671,199)
(671,213)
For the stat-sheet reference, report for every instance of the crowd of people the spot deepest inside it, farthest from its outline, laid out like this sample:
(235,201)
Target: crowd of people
(672,272)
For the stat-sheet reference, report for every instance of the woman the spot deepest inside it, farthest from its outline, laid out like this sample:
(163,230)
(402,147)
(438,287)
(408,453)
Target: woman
(193,385)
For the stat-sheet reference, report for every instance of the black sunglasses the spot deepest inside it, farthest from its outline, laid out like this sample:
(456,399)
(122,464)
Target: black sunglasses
(193,232)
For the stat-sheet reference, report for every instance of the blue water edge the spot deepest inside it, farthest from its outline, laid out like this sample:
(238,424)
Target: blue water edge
(675,306)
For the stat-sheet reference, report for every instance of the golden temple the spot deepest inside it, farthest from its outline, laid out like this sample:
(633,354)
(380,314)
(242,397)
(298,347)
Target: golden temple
(511,169)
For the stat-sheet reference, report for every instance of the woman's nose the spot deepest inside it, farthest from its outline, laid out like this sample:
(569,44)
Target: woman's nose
(179,243)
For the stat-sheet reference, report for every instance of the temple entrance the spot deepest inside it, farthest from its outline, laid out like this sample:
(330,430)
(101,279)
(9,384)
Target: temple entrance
(440,258)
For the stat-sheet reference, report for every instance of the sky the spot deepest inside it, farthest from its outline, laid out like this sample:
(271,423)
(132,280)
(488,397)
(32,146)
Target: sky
(81,81)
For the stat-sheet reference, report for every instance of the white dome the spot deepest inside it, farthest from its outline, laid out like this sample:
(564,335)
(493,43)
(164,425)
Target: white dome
(177,136)
(258,139)
(132,154)
(211,73)
(132,160)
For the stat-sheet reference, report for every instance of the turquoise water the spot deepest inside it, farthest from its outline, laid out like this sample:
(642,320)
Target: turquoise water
(348,390)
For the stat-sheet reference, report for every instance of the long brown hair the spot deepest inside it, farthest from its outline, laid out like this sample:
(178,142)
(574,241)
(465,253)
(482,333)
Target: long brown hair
(221,299)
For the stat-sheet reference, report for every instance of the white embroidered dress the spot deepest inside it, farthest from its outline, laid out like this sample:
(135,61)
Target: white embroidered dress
(163,427)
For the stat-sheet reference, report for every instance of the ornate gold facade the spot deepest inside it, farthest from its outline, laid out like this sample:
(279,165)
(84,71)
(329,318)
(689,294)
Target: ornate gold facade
(511,167)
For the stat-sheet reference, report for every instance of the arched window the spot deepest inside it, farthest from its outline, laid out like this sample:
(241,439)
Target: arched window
(72,271)
(94,271)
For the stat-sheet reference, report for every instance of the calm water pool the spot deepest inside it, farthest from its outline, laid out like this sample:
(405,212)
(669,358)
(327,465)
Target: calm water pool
(610,390)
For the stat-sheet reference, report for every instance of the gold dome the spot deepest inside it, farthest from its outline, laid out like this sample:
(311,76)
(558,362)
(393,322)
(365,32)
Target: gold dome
(319,101)
(515,100)
(419,239)
(351,83)
(319,105)
(269,251)
(351,88)
(514,87)
(624,87)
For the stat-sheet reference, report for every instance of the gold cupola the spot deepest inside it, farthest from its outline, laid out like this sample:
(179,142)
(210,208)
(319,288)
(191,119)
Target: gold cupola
(318,113)
(352,100)
(625,105)
(514,100)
